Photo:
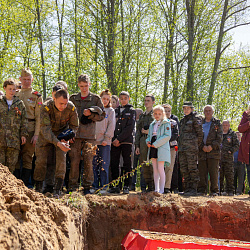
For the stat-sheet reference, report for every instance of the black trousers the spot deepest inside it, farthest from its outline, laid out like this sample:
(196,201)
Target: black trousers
(125,150)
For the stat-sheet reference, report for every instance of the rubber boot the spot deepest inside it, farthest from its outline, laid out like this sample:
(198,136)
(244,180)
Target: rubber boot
(17,173)
(39,186)
(26,176)
(58,186)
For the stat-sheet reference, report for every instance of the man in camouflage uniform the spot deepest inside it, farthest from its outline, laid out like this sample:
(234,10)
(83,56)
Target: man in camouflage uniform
(56,116)
(230,144)
(209,152)
(142,127)
(190,139)
(13,125)
(32,101)
(90,110)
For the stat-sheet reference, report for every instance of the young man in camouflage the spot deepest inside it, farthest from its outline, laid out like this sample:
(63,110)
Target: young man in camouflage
(90,110)
(56,116)
(190,139)
(209,152)
(13,125)
(142,127)
(230,144)
(32,101)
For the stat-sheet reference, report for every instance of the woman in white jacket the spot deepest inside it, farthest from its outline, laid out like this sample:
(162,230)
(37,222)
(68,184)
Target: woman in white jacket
(104,134)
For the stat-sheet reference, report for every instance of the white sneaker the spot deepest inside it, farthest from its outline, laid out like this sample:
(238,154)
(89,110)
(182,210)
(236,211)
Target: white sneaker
(103,191)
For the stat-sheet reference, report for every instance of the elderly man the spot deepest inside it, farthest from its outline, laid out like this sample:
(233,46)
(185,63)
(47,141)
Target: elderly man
(209,152)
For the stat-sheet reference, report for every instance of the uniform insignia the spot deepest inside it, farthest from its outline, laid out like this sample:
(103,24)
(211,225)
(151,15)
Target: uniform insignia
(73,108)
(167,128)
(40,104)
(36,93)
(18,112)
(46,107)
(229,139)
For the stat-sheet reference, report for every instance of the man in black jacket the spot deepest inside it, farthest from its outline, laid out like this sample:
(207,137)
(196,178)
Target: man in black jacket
(122,141)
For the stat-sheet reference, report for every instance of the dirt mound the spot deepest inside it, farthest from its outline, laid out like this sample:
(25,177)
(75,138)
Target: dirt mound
(29,220)
(214,217)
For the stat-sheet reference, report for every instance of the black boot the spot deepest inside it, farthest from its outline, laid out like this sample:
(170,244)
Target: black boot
(58,186)
(39,186)
(17,173)
(48,189)
(26,176)
(192,191)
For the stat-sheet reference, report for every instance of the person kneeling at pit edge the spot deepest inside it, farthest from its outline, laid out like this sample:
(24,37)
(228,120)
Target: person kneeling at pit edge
(56,116)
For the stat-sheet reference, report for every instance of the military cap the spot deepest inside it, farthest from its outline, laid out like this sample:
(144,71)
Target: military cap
(96,109)
(26,72)
(188,104)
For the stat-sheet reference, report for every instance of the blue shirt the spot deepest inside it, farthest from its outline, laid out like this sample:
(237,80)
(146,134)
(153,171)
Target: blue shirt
(206,128)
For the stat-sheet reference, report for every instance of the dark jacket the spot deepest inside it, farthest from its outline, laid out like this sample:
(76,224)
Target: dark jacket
(191,133)
(88,131)
(214,139)
(230,143)
(125,124)
(174,133)
(244,128)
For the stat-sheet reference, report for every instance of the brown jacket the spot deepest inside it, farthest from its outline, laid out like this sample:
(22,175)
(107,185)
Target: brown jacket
(87,131)
(53,122)
(32,101)
(214,139)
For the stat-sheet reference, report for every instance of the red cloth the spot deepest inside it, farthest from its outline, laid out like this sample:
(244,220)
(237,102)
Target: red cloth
(83,97)
(245,140)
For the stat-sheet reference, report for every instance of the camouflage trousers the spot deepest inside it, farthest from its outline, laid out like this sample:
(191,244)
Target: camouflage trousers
(27,153)
(42,153)
(9,157)
(227,172)
(188,167)
(81,149)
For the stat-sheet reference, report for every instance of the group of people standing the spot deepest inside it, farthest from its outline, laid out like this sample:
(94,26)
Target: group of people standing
(99,138)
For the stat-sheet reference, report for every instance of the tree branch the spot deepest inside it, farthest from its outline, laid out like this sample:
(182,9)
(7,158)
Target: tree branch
(225,31)
(243,67)
(236,5)
(237,11)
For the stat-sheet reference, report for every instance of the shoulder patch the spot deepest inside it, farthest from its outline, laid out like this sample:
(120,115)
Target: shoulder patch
(47,108)
(36,93)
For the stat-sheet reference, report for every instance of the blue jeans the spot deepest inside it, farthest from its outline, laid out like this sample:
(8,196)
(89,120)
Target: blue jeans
(101,163)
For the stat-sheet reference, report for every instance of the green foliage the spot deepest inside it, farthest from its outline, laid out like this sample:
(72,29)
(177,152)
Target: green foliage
(140,46)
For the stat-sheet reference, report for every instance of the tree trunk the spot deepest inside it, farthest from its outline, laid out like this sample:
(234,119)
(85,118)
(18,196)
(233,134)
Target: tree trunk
(190,5)
(41,47)
(218,54)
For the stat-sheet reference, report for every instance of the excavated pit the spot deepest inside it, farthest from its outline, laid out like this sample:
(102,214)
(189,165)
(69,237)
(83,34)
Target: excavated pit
(29,220)
(111,217)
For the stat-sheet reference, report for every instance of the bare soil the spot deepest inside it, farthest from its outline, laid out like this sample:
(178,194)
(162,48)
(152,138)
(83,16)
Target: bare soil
(29,220)
(111,217)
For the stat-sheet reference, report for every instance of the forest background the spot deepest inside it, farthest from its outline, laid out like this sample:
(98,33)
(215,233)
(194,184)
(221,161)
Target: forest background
(175,49)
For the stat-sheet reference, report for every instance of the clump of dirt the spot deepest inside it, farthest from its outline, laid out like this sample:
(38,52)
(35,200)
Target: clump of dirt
(111,217)
(29,220)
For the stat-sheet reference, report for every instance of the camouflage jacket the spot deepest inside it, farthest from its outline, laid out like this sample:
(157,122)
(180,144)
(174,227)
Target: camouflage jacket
(13,123)
(214,139)
(230,143)
(143,122)
(53,122)
(88,131)
(191,133)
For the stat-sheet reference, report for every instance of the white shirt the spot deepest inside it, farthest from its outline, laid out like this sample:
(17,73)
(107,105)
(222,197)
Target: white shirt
(9,102)
(156,126)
